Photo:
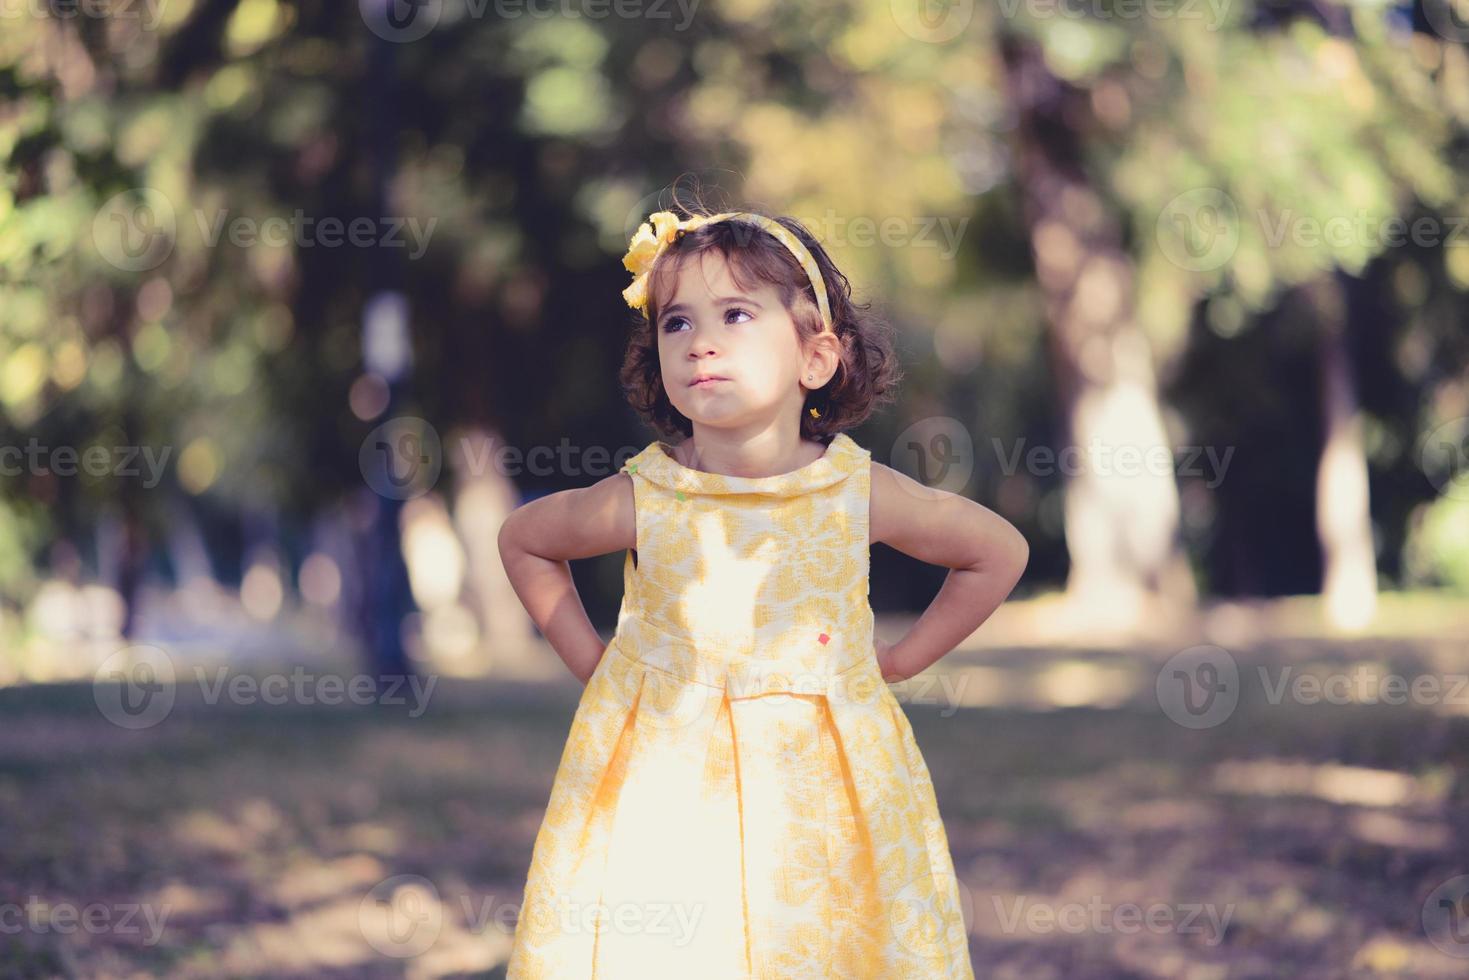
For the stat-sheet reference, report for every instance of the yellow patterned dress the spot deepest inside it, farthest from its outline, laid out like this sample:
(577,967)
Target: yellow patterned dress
(741,796)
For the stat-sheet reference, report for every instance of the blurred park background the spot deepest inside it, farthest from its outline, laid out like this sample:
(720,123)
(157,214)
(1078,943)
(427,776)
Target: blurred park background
(299,299)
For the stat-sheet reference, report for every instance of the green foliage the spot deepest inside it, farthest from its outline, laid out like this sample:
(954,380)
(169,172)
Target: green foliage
(534,142)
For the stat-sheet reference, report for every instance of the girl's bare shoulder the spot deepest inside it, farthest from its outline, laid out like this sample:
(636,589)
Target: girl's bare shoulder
(891,496)
(937,526)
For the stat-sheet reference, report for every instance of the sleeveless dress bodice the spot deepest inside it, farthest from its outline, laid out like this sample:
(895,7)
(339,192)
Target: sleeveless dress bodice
(753,580)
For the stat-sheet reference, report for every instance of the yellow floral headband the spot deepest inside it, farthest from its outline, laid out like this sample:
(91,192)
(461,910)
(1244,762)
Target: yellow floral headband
(662,227)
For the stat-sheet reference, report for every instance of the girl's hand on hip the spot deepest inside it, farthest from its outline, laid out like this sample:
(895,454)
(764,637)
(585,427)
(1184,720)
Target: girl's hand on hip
(885,664)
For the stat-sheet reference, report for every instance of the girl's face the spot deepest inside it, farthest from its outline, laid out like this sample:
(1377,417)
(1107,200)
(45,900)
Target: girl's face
(744,337)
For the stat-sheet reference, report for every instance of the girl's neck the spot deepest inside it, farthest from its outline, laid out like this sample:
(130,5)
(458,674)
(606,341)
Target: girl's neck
(761,456)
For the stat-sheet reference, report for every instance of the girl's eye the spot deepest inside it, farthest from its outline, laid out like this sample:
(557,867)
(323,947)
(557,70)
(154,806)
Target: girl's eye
(671,325)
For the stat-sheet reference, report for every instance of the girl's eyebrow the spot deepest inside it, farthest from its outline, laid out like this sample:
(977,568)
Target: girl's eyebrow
(718,300)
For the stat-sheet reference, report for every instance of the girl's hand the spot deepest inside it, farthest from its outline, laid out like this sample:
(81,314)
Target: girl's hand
(885,659)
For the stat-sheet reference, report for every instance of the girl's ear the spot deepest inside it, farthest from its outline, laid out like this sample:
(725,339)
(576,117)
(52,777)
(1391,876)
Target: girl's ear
(823,357)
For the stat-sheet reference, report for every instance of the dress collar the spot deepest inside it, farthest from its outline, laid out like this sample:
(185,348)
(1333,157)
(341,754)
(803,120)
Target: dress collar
(841,459)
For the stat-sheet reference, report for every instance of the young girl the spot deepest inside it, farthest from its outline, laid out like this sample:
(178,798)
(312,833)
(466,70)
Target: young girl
(741,795)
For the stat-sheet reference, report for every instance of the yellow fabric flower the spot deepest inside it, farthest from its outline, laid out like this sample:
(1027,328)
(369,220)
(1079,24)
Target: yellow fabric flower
(651,240)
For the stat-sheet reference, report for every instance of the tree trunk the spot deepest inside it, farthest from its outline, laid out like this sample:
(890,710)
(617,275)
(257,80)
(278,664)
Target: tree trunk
(1122,505)
(1343,516)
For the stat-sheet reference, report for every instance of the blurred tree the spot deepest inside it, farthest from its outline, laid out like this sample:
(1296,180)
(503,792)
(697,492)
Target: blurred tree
(1233,146)
(1122,528)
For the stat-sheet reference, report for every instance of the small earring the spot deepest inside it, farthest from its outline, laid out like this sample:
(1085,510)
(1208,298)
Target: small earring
(814,413)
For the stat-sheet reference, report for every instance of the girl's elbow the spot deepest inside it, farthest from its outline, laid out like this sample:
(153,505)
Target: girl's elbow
(1019,553)
(508,540)
(1011,554)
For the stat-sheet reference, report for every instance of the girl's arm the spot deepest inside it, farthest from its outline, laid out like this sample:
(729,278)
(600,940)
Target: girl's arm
(984,551)
(538,539)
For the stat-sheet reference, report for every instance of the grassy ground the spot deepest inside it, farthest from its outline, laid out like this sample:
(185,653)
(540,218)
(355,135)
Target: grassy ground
(1291,839)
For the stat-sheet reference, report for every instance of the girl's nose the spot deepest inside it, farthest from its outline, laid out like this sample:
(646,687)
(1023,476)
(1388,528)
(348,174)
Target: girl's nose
(701,344)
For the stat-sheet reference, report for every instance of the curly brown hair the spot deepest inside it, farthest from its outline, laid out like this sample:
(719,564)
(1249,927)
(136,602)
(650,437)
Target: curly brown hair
(868,373)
